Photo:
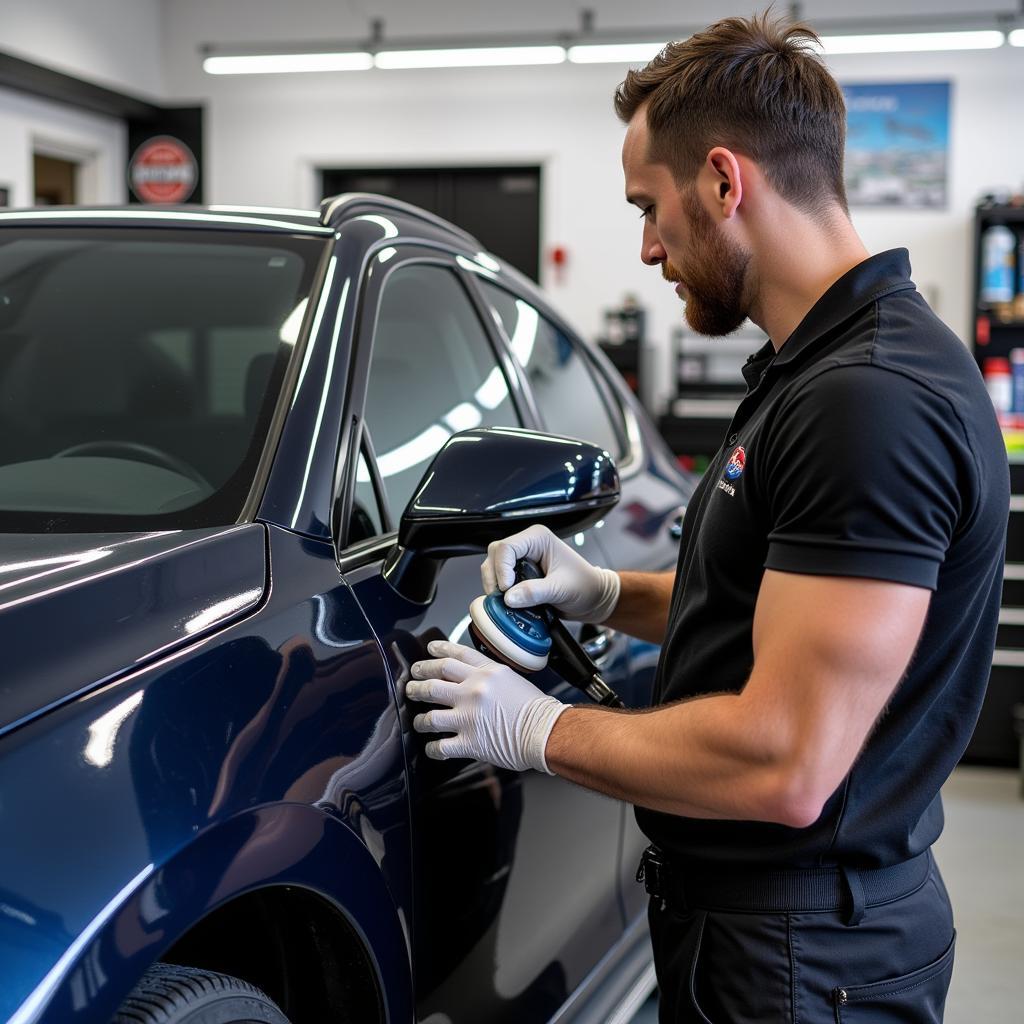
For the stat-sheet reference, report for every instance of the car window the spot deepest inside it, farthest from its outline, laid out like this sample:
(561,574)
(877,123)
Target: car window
(367,520)
(567,396)
(433,373)
(139,369)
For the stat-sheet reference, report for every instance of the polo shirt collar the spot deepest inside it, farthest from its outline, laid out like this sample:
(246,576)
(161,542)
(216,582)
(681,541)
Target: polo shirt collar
(874,277)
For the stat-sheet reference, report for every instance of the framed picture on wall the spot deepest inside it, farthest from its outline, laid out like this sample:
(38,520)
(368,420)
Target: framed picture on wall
(897,144)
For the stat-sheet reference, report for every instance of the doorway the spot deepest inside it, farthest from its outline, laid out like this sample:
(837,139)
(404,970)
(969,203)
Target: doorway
(56,181)
(498,205)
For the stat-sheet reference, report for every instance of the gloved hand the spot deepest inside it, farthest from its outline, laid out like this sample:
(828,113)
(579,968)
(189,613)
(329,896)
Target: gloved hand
(575,588)
(496,715)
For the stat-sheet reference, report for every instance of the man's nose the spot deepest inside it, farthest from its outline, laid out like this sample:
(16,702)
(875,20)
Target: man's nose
(652,252)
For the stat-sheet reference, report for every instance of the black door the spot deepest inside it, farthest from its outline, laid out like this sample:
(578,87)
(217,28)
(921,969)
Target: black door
(498,205)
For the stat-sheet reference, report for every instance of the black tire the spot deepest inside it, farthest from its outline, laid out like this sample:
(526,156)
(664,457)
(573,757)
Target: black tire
(168,994)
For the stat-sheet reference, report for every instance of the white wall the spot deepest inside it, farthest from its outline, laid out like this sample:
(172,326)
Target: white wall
(97,144)
(265,136)
(115,43)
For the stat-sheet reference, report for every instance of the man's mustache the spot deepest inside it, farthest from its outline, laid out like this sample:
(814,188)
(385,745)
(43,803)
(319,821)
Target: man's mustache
(670,273)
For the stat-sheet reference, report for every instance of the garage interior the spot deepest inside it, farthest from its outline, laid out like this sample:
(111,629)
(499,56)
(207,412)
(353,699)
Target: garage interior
(525,155)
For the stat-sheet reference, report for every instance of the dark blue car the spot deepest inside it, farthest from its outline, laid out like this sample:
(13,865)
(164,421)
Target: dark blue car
(248,460)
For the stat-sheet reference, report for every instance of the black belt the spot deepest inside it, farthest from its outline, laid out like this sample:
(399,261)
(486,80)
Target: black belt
(686,887)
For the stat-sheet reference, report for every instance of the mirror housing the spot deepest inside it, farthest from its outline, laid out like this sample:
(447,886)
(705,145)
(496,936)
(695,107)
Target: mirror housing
(488,483)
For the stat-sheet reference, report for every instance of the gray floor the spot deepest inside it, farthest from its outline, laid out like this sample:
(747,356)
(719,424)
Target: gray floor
(981,854)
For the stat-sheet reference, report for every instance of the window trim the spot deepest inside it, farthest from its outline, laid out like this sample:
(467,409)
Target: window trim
(410,252)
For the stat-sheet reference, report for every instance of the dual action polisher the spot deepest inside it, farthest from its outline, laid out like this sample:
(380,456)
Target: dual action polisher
(528,639)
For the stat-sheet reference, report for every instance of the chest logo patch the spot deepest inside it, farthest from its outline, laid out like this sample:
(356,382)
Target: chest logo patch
(737,461)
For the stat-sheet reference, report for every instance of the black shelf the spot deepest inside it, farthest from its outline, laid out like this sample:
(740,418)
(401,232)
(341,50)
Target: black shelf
(993,336)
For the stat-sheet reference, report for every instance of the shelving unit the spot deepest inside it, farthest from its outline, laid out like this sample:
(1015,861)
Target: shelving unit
(997,331)
(994,741)
(708,385)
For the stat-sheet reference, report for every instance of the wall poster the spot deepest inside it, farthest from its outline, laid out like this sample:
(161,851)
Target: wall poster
(897,144)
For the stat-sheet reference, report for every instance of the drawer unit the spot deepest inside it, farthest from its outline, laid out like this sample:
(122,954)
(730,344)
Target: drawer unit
(994,741)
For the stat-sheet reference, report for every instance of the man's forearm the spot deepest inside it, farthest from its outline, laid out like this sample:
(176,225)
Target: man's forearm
(642,608)
(704,758)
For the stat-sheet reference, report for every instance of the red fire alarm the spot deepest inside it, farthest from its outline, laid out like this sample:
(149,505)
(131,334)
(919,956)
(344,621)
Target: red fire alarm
(559,257)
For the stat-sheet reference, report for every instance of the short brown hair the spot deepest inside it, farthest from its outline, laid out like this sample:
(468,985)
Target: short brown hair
(752,85)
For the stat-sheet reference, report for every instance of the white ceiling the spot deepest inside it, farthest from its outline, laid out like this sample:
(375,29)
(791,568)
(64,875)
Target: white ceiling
(220,22)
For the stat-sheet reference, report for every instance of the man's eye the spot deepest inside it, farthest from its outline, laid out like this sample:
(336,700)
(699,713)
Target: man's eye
(646,212)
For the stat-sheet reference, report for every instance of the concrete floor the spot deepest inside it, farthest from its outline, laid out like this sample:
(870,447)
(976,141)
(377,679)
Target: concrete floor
(981,855)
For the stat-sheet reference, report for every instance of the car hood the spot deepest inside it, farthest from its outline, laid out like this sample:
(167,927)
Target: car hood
(76,610)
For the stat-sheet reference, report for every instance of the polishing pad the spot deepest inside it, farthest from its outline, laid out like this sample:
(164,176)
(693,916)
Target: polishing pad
(519,636)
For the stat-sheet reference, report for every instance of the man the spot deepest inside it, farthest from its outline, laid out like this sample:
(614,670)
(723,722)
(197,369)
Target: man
(828,631)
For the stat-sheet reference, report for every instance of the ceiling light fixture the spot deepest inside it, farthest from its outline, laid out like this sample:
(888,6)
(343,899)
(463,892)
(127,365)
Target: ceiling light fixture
(614,53)
(361,56)
(471,57)
(913,42)
(286,63)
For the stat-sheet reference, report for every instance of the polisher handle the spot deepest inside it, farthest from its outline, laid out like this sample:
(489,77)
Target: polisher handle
(567,657)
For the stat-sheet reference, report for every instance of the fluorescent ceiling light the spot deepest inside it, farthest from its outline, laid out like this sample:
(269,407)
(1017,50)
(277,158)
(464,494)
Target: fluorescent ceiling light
(909,42)
(471,57)
(615,53)
(1016,37)
(286,63)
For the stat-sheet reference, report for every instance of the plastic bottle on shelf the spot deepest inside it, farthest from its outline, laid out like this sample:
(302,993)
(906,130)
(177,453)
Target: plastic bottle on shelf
(998,244)
(998,380)
(1018,301)
(1017,381)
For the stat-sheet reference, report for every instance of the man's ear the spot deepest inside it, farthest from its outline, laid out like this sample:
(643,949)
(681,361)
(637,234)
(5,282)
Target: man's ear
(723,170)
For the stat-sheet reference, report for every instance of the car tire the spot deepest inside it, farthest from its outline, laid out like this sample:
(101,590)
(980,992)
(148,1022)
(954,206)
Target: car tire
(169,994)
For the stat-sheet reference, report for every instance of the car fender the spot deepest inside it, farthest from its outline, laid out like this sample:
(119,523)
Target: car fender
(276,844)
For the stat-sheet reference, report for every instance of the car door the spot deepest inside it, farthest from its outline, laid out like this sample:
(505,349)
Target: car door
(573,396)
(512,907)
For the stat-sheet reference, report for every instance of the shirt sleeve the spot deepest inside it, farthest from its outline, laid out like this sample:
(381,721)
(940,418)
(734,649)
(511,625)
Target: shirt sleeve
(867,474)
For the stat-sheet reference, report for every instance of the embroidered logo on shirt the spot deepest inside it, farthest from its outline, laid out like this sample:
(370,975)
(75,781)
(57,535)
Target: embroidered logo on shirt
(733,470)
(734,467)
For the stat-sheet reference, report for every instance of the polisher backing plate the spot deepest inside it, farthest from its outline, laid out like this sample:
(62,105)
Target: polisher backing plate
(482,612)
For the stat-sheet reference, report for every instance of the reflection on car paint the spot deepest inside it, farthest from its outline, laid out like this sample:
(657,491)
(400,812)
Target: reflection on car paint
(210,715)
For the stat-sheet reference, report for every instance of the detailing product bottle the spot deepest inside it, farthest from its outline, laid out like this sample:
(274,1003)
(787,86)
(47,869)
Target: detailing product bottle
(997,248)
(1017,376)
(998,382)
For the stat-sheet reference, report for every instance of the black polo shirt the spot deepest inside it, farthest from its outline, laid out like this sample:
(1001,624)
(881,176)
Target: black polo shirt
(867,447)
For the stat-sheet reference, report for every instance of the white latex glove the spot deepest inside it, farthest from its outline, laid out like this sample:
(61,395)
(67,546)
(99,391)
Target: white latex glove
(575,588)
(496,715)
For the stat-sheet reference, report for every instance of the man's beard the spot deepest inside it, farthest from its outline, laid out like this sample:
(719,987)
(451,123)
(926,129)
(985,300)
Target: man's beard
(714,279)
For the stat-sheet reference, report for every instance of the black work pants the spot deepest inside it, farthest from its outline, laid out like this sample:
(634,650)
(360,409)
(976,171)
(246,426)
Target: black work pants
(894,965)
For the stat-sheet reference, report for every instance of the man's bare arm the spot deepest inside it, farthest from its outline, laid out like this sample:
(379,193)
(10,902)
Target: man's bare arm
(828,655)
(642,608)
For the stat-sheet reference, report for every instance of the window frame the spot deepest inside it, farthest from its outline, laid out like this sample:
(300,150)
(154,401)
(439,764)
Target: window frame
(356,433)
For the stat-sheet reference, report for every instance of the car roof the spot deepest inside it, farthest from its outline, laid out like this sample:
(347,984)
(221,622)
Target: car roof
(333,212)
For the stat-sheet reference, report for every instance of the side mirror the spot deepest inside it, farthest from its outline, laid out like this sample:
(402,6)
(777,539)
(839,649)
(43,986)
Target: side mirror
(487,483)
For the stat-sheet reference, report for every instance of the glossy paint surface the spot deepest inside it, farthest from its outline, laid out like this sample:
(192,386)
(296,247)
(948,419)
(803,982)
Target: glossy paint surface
(151,774)
(113,602)
(270,753)
(515,875)
(502,471)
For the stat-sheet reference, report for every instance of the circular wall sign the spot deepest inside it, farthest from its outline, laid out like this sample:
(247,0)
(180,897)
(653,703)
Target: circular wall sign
(163,170)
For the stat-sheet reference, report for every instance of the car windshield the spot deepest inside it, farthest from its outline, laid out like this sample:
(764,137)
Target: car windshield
(139,371)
